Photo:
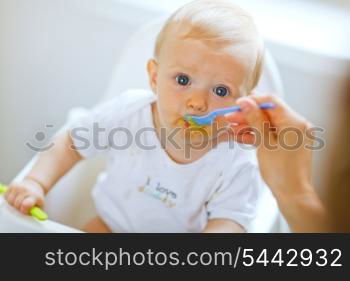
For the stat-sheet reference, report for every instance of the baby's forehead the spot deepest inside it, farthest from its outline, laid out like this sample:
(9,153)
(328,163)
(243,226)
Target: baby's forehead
(195,58)
(181,34)
(222,25)
(189,49)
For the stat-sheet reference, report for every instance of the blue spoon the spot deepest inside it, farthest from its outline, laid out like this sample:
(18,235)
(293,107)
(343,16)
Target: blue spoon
(209,118)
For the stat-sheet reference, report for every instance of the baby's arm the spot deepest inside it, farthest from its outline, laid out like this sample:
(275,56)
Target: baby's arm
(50,166)
(223,226)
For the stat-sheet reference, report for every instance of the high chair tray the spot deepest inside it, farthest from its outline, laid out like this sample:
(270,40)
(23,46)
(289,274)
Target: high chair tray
(12,221)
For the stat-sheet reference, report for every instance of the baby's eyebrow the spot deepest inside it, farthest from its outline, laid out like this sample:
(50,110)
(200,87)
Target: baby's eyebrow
(229,82)
(186,67)
(232,81)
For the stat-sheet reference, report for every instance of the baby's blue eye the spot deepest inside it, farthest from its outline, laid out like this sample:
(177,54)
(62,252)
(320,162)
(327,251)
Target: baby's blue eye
(221,91)
(182,80)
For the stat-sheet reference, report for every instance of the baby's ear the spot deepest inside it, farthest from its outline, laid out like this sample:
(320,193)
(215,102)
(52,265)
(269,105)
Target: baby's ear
(152,69)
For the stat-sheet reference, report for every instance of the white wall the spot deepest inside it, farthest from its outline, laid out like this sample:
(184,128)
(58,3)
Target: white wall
(53,56)
(58,54)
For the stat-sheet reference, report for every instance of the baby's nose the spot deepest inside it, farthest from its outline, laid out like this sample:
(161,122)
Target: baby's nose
(197,104)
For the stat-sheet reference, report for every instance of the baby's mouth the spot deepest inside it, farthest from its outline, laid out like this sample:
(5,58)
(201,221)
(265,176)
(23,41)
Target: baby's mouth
(183,122)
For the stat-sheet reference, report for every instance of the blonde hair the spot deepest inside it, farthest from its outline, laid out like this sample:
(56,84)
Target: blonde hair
(223,23)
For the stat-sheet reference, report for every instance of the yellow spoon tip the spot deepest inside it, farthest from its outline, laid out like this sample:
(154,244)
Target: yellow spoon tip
(3,188)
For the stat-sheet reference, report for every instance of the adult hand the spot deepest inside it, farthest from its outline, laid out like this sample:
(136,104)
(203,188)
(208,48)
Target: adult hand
(282,139)
(284,148)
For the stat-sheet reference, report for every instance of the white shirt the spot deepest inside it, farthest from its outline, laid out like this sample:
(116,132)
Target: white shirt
(144,190)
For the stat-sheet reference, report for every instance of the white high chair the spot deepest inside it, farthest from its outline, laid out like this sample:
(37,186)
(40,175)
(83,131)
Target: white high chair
(69,202)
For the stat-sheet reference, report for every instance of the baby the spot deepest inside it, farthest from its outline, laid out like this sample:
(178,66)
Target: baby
(163,173)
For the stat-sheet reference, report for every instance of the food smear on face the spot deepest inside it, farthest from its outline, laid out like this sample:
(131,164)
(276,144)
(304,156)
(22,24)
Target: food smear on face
(191,123)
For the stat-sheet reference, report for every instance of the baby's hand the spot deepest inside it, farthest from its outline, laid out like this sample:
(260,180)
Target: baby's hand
(25,195)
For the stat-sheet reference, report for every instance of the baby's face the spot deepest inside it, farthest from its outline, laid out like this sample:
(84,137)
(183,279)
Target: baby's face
(191,77)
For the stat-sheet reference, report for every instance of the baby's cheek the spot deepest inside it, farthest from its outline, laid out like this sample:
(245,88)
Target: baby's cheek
(169,103)
(168,117)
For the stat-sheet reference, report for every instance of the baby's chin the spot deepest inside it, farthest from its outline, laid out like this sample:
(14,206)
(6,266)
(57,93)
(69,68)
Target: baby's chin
(196,138)
(204,134)
(194,134)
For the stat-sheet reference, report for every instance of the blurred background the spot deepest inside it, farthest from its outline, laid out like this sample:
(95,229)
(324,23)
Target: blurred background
(58,54)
